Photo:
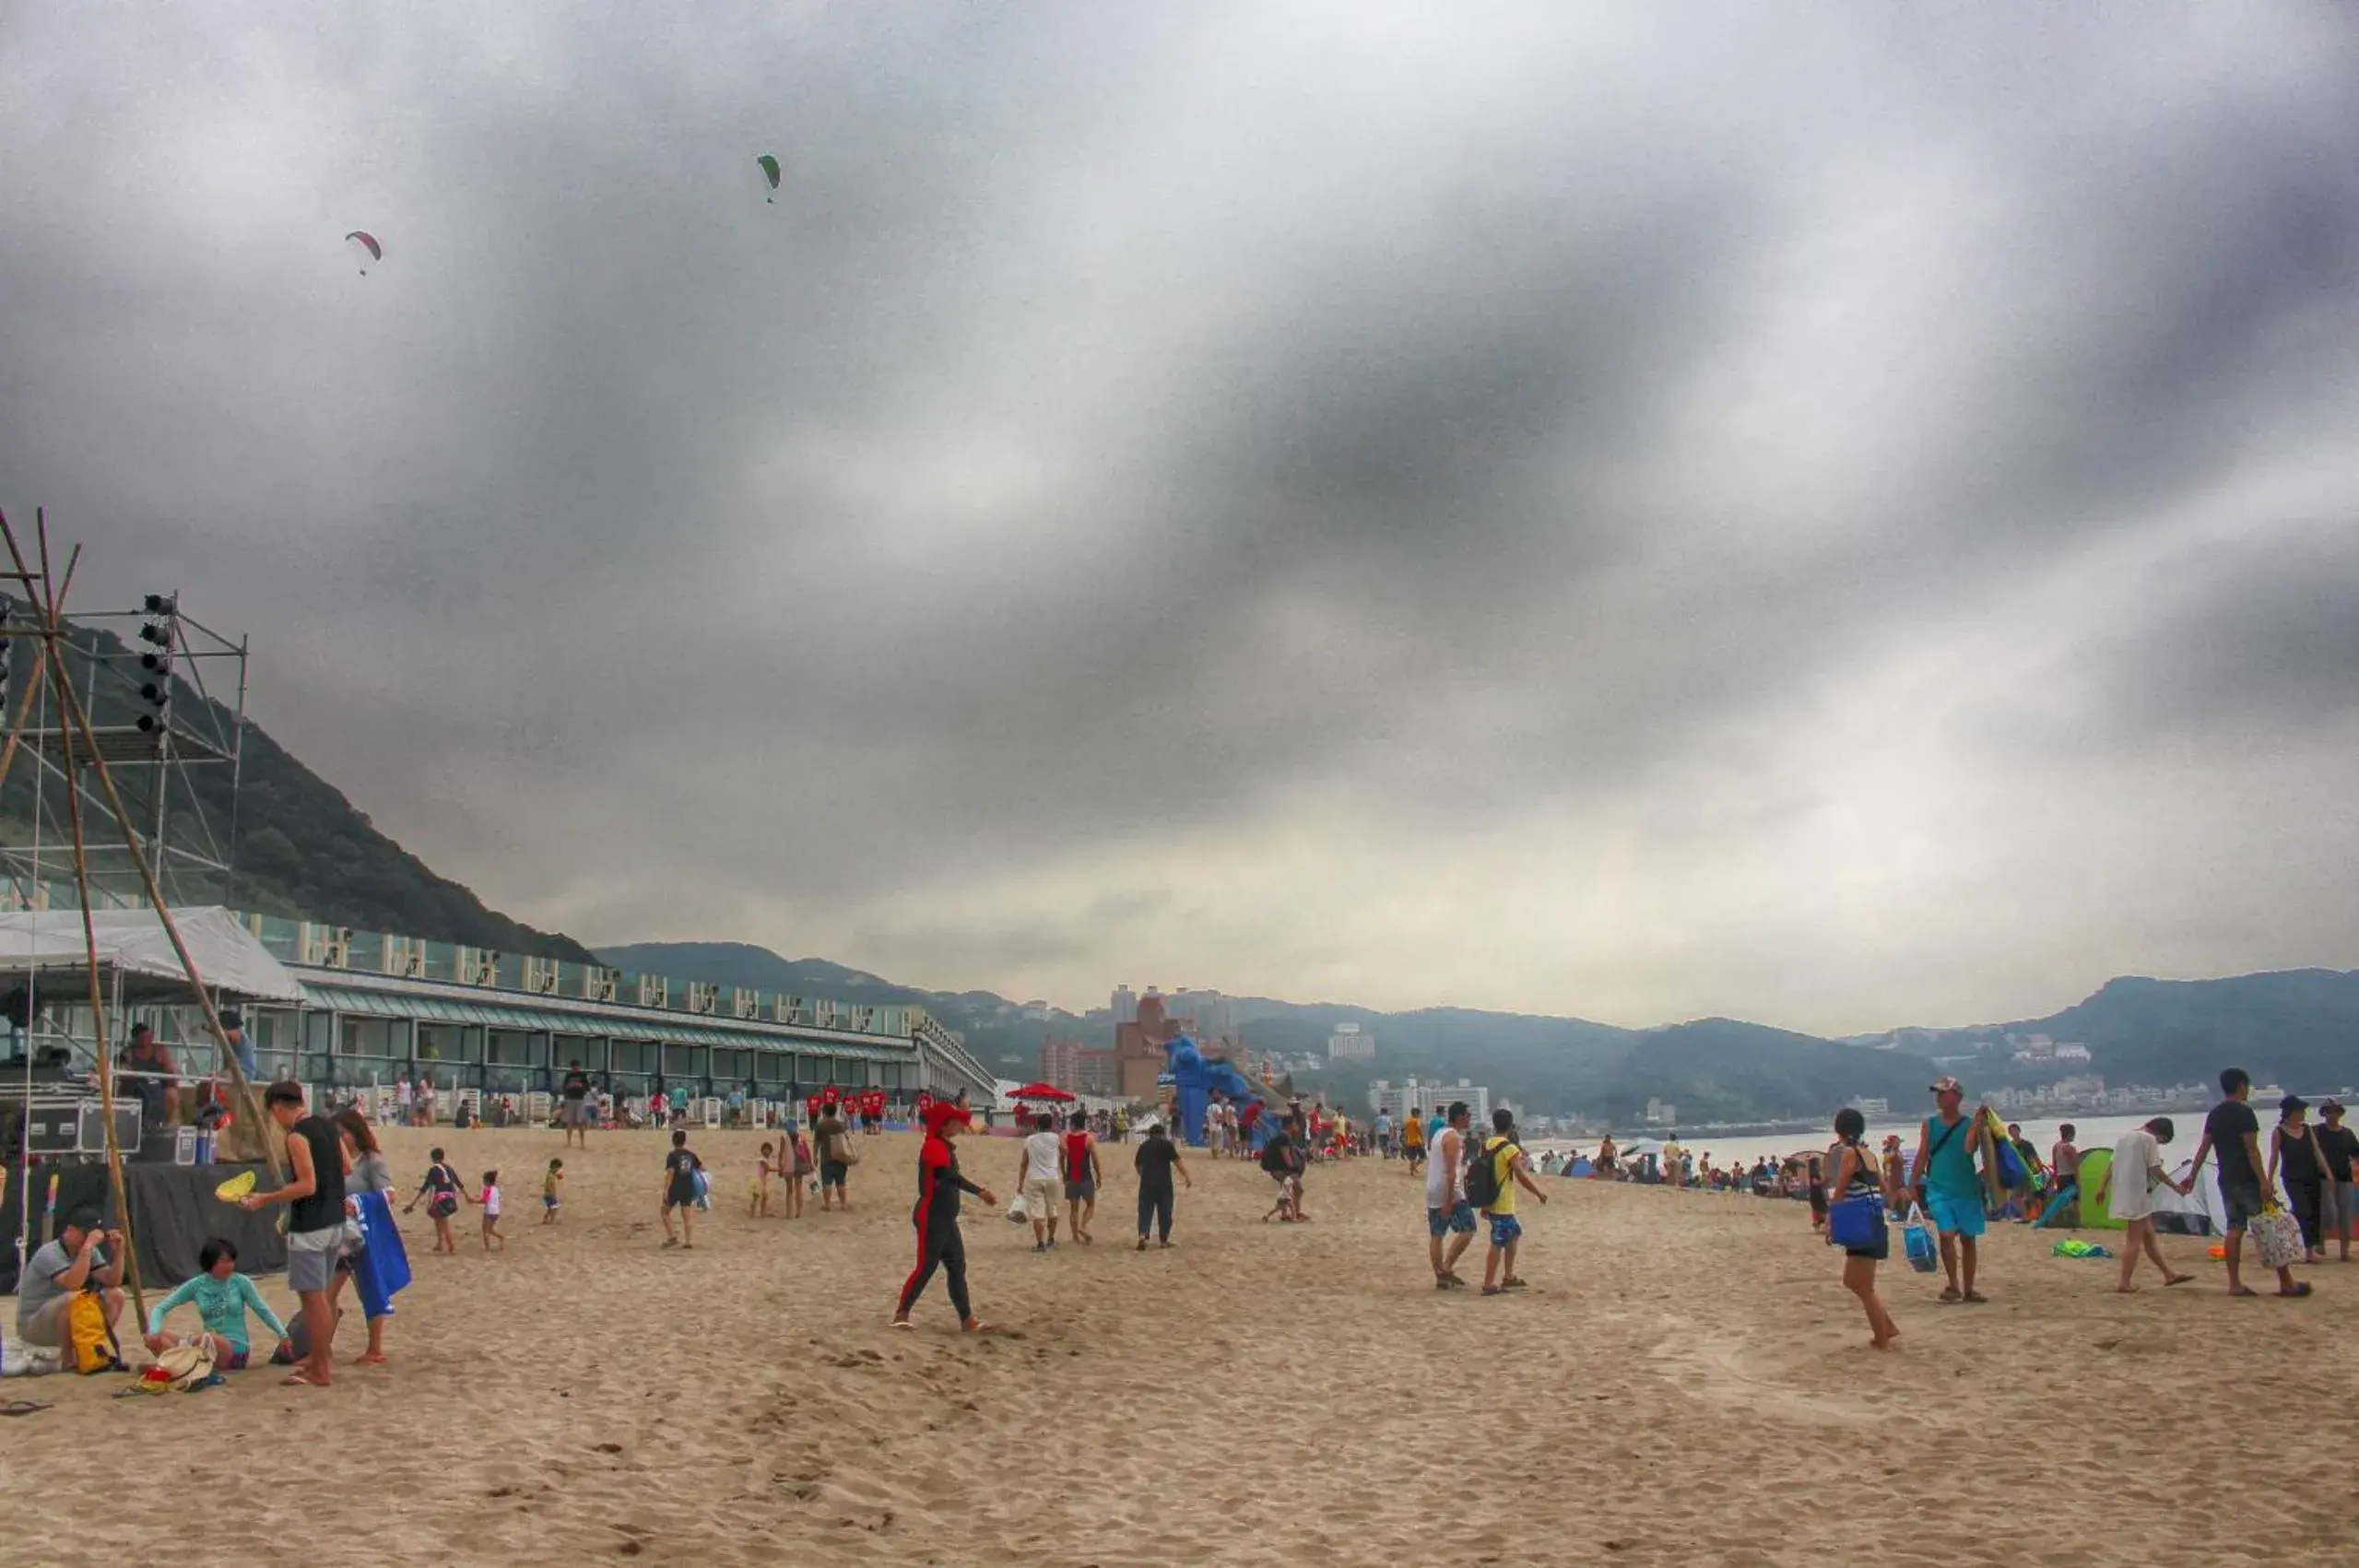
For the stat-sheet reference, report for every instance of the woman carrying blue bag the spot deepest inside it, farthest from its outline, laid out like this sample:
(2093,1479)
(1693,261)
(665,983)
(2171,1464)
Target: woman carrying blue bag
(1856,1223)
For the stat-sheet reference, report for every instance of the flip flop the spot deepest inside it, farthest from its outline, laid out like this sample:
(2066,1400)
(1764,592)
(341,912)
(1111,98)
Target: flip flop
(900,1322)
(988,1328)
(1978,1298)
(1494,1290)
(297,1380)
(2244,1290)
(2301,1288)
(2182,1279)
(22,1408)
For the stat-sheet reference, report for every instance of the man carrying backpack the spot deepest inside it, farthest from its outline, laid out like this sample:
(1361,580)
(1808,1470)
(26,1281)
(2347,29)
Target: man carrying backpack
(1491,1183)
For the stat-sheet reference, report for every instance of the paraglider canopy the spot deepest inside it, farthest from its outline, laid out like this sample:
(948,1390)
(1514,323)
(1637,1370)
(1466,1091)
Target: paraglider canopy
(769,171)
(368,244)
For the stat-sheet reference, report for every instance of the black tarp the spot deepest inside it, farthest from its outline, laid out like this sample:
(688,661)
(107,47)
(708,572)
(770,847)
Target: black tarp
(172,1213)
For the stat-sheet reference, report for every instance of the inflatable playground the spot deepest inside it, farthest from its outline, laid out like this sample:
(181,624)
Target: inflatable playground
(1196,1078)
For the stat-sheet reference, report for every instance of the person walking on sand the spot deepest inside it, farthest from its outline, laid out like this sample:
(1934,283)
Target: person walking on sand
(936,1218)
(2232,1132)
(1157,1158)
(2137,1171)
(440,1188)
(313,1192)
(552,1191)
(836,1158)
(1413,1138)
(1858,1174)
(1507,1171)
(2293,1152)
(1447,1212)
(489,1199)
(796,1155)
(2337,1146)
(1948,1188)
(369,1173)
(1081,1176)
(680,1168)
(1040,1176)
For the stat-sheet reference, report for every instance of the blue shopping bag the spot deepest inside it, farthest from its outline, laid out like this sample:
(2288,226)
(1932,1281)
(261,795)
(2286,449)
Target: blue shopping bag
(1917,1238)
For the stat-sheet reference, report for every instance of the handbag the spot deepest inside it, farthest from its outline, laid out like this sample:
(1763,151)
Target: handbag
(1856,1221)
(1916,1239)
(2278,1236)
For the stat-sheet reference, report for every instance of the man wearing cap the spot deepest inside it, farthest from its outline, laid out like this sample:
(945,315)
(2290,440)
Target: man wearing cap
(2338,1145)
(1947,1185)
(233,1024)
(84,1256)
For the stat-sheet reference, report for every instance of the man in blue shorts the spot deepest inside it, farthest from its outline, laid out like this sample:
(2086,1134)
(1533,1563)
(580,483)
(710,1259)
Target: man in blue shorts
(1948,1188)
(1447,1212)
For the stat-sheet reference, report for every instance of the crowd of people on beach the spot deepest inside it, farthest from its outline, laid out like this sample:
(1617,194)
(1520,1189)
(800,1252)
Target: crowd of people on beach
(1963,1176)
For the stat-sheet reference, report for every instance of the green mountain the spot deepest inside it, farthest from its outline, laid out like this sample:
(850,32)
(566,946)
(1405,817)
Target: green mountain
(303,850)
(2300,1028)
(2297,1027)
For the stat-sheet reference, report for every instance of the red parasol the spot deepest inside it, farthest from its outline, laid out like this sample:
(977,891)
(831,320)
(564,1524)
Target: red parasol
(1039,1091)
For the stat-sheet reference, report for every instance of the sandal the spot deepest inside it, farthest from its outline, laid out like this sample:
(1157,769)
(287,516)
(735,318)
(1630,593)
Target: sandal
(1978,1298)
(2301,1288)
(1494,1290)
(1950,1296)
(22,1408)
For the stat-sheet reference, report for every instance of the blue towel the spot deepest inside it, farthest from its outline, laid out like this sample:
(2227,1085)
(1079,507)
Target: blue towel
(380,1268)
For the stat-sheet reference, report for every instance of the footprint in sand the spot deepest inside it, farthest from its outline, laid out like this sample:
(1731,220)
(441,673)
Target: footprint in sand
(1719,1368)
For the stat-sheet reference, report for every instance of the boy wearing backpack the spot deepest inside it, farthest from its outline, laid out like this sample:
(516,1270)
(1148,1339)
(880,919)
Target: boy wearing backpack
(1491,1183)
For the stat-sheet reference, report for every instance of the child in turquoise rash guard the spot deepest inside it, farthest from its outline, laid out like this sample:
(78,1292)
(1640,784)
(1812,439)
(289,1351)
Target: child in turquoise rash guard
(223,1297)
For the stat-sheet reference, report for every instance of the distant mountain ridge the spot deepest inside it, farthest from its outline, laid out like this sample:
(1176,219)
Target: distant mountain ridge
(303,851)
(2295,1027)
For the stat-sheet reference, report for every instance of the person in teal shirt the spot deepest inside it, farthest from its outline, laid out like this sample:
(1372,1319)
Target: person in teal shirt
(1953,1192)
(223,1297)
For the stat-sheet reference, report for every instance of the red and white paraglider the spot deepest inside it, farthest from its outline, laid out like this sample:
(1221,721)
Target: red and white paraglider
(366,243)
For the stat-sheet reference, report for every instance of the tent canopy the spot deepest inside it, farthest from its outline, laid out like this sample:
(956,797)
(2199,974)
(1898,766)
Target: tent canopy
(132,943)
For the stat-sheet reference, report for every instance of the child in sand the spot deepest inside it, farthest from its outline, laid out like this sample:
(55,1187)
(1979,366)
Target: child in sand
(440,1188)
(758,1190)
(490,1197)
(552,1191)
(679,1191)
(222,1297)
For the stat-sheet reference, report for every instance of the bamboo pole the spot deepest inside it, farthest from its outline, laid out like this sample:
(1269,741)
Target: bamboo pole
(129,1261)
(248,1107)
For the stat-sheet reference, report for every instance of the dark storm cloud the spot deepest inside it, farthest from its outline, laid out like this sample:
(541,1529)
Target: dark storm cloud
(1142,447)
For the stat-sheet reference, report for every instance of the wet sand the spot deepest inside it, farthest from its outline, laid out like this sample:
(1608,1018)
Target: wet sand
(1684,1383)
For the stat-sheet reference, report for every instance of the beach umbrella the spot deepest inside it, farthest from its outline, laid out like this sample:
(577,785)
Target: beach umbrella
(1039,1091)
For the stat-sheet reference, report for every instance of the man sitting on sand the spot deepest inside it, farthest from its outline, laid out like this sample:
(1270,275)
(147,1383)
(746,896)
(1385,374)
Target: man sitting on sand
(83,1256)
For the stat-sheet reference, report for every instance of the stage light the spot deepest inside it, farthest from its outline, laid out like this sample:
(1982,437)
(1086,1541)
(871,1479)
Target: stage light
(161,604)
(157,633)
(157,694)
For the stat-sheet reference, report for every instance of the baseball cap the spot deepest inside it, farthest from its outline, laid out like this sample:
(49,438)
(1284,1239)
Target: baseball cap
(2330,1107)
(1948,1086)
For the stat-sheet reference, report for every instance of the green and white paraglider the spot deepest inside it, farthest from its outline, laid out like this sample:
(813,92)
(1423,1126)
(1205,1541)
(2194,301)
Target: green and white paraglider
(770,173)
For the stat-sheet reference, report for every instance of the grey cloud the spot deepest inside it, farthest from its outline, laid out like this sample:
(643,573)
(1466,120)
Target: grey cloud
(1129,425)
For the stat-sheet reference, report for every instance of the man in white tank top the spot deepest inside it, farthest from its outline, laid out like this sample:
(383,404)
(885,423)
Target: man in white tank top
(1447,1210)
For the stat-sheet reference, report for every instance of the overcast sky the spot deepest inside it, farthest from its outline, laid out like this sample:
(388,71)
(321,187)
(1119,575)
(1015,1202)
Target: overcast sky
(1842,515)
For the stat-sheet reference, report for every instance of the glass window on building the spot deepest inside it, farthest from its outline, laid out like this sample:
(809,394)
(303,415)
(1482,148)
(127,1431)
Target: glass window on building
(635,1056)
(810,1069)
(512,1048)
(383,1039)
(683,1062)
(448,1053)
(773,1068)
(566,1049)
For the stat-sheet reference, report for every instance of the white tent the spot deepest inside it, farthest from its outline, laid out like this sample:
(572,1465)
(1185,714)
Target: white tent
(133,948)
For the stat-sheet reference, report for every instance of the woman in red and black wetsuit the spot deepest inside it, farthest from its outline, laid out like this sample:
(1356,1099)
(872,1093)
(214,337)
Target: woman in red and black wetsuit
(936,1219)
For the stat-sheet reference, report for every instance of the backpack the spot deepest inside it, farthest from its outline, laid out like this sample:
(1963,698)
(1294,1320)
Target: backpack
(90,1337)
(1483,1183)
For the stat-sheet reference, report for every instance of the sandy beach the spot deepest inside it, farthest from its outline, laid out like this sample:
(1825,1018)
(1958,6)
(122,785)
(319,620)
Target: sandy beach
(1686,1383)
